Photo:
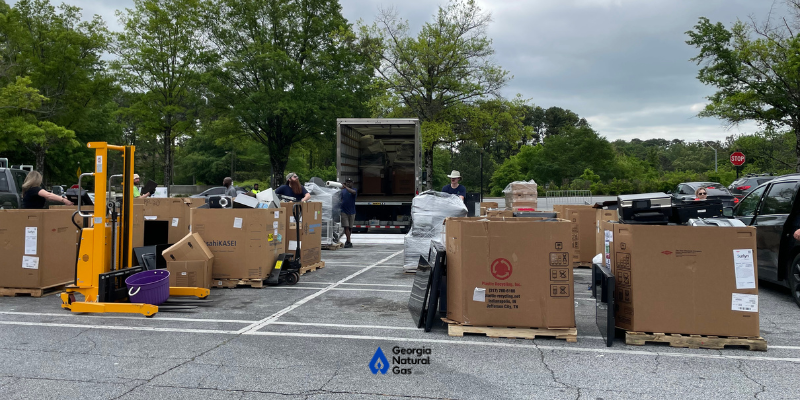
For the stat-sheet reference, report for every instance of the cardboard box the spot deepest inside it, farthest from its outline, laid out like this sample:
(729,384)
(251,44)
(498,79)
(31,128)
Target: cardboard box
(486,205)
(191,248)
(499,213)
(686,280)
(38,248)
(310,232)
(584,231)
(245,242)
(602,215)
(190,274)
(175,211)
(509,273)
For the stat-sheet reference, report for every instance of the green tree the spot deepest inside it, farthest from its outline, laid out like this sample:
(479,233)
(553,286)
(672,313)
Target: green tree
(61,54)
(449,63)
(286,70)
(160,52)
(756,70)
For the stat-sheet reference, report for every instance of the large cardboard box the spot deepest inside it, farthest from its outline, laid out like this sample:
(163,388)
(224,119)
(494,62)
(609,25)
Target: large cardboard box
(310,232)
(138,219)
(486,205)
(583,230)
(245,242)
(509,272)
(176,212)
(499,213)
(38,248)
(686,280)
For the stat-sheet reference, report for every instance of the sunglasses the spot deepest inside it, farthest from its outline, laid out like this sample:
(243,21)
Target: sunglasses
(701,194)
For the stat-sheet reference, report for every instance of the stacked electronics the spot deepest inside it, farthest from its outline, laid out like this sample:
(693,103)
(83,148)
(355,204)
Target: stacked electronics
(662,209)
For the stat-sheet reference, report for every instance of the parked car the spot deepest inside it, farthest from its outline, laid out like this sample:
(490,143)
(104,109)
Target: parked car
(11,180)
(744,185)
(773,208)
(218,191)
(685,191)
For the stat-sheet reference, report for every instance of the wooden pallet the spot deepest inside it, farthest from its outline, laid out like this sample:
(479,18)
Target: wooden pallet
(232,283)
(581,265)
(696,341)
(14,292)
(312,267)
(568,334)
(335,246)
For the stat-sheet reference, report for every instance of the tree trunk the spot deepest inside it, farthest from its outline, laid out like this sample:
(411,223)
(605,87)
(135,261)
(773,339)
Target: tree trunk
(429,168)
(40,153)
(796,127)
(278,166)
(168,156)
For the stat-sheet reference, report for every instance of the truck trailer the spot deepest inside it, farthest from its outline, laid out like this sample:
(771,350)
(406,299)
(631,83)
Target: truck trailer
(383,158)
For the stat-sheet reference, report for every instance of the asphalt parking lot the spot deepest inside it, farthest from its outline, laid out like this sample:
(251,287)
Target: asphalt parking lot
(315,340)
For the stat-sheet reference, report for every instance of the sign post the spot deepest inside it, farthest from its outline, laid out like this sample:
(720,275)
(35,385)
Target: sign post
(737,159)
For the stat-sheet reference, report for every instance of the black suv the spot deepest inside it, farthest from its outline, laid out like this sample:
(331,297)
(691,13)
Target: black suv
(774,210)
(746,184)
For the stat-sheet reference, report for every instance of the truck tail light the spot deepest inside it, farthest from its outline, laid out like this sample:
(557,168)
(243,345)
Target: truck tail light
(417,192)
(735,200)
(743,187)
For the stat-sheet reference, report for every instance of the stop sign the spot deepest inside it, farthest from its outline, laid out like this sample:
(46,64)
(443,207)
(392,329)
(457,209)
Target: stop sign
(737,158)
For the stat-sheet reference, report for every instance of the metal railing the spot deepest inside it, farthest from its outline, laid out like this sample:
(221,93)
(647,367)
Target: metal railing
(577,197)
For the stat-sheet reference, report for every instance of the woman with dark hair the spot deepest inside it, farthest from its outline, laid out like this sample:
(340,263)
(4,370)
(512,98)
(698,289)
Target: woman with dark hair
(293,188)
(34,197)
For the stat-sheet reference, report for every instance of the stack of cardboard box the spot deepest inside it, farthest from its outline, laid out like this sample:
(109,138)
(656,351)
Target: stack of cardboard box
(512,272)
(486,206)
(521,195)
(189,262)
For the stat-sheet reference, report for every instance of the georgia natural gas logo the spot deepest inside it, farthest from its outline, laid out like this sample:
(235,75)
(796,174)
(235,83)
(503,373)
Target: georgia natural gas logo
(403,359)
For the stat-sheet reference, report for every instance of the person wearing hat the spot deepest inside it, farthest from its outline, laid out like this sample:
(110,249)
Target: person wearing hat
(136,192)
(348,210)
(455,187)
(293,188)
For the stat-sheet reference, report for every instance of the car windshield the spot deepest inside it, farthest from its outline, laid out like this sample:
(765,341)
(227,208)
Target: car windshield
(710,185)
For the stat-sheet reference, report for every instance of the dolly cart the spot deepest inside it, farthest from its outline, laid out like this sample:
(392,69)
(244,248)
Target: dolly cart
(287,267)
(105,253)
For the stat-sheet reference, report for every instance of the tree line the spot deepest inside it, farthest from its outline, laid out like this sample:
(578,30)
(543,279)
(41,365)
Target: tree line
(252,88)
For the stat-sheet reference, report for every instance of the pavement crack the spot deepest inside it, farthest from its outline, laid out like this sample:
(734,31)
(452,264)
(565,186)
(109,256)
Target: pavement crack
(742,370)
(658,363)
(553,373)
(224,342)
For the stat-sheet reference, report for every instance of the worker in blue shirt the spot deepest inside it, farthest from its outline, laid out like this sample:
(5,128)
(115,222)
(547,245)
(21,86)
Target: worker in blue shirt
(455,187)
(348,210)
(293,188)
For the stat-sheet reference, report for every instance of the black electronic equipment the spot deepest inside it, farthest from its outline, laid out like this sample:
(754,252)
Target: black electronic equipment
(429,293)
(220,202)
(149,187)
(603,286)
(645,208)
(72,195)
(535,214)
(684,210)
(287,267)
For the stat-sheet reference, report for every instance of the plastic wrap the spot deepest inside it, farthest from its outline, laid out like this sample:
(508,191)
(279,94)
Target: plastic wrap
(521,192)
(428,212)
(330,198)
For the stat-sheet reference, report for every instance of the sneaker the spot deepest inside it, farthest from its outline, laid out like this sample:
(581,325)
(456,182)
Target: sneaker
(348,245)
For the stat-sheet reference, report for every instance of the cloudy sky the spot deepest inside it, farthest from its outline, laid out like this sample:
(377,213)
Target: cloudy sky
(622,64)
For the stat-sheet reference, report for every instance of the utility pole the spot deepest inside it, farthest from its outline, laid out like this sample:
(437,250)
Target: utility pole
(715,154)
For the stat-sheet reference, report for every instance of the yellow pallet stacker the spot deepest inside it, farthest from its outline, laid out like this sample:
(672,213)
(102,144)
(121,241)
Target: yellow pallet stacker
(105,255)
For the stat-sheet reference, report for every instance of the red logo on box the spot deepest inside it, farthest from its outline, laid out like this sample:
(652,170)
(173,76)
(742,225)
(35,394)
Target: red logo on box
(666,252)
(501,269)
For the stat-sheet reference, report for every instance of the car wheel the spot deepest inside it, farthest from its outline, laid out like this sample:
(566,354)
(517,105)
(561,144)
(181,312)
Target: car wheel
(793,279)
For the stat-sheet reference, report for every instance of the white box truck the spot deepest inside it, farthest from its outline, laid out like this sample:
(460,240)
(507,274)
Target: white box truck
(383,158)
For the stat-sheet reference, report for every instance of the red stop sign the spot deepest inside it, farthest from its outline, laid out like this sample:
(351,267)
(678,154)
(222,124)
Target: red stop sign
(737,158)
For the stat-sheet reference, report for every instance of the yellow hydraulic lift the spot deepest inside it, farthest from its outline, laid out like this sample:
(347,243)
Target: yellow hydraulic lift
(105,256)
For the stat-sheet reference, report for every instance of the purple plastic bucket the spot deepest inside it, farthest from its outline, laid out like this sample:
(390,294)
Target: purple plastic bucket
(148,287)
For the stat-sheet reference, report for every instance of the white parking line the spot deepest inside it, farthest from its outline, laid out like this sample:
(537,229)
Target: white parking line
(264,322)
(346,289)
(139,318)
(359,284)
(566,348)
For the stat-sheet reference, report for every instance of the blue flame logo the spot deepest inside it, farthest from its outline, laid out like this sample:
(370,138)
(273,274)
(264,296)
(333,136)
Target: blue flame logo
(379,363)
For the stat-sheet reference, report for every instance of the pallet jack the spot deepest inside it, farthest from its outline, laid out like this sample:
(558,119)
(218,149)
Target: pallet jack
(105,253)
(287,267)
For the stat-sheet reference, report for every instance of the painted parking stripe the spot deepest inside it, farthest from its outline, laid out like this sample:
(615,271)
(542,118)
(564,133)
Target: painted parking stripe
(264,322)
(399,339)
(139,318)
(343,289)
